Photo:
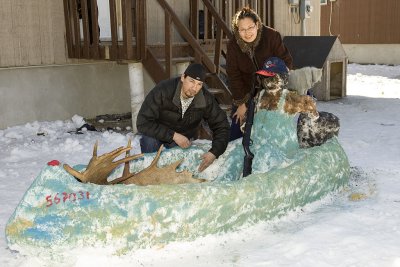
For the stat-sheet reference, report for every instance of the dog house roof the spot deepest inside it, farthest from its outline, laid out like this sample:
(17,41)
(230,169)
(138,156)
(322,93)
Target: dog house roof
(309,50)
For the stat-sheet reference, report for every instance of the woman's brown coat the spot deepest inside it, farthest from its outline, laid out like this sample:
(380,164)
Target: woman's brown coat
(239,65)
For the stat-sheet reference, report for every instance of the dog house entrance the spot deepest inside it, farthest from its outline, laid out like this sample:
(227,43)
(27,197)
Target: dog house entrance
(336,80)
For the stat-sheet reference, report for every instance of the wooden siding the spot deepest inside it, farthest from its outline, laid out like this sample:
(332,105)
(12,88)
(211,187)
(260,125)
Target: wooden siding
(32,33)
(288,24)
(362,21)
(155,15)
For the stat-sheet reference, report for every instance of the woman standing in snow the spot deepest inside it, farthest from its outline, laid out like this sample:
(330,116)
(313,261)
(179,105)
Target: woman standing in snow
(252,43)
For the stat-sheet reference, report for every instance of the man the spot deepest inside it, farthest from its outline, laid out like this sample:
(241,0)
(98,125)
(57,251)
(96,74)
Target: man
(172,112)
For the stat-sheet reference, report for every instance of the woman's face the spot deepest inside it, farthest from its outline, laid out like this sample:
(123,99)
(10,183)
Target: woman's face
(247,29)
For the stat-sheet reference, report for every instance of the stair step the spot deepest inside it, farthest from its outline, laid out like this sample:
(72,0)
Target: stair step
(216,91)
(178,59)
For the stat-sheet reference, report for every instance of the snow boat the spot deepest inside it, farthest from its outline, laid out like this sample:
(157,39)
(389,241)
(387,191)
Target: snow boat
(59,212)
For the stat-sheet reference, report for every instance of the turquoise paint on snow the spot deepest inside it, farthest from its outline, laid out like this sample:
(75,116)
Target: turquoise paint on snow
(127,217)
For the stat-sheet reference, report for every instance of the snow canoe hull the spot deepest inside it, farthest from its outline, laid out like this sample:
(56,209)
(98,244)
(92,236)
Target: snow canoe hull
(59,212)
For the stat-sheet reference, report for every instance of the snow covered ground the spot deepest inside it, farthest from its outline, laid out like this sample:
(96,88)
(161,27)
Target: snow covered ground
(336,231)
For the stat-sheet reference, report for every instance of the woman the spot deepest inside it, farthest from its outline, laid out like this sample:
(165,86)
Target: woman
(251,45)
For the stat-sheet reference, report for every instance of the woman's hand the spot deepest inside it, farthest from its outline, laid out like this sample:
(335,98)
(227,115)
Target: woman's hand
(240,114)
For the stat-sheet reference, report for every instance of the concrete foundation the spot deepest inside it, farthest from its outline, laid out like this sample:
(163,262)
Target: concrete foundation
(386,54)
(58,92)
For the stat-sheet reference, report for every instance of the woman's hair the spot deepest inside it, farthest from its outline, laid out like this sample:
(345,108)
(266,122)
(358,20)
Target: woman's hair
(246,12)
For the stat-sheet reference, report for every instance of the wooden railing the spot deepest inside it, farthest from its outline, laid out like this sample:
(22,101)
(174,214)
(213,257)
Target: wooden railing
(226,10)
(199,54)
(83,32)
(216,17)
(128,27)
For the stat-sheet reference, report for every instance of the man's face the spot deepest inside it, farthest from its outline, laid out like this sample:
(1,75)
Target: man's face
(190,86)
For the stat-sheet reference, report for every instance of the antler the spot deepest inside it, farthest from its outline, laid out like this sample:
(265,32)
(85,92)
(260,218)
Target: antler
(154,175)
(99,168)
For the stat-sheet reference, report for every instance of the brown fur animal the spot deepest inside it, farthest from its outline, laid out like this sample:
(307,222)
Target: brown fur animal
(294,103)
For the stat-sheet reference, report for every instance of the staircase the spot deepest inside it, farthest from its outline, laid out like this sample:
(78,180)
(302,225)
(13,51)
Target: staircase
(202,43)
(159,64)
(203,35)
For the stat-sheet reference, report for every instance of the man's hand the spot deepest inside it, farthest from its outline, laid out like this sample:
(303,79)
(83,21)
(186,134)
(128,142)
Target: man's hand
(181,140)
(208,159)
(240,113)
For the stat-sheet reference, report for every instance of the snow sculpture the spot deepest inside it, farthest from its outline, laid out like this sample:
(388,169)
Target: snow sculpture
(58,212)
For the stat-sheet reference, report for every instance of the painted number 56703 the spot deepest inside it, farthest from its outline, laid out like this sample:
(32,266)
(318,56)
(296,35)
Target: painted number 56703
(60,198)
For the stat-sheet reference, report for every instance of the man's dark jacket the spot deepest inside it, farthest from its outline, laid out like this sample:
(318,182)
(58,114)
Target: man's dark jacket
(161,115)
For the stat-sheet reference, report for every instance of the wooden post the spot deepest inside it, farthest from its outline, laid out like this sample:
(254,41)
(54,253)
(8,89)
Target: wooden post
(95,29)
(114,30)
(194,18)
(85,24)
(168,44)
(127,28)
(141,29)
(76,27)
(68,33)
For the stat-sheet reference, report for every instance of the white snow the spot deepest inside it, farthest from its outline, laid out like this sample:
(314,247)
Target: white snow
(335,231)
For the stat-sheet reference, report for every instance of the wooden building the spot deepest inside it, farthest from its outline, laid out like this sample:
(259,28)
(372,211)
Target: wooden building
(368,29)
